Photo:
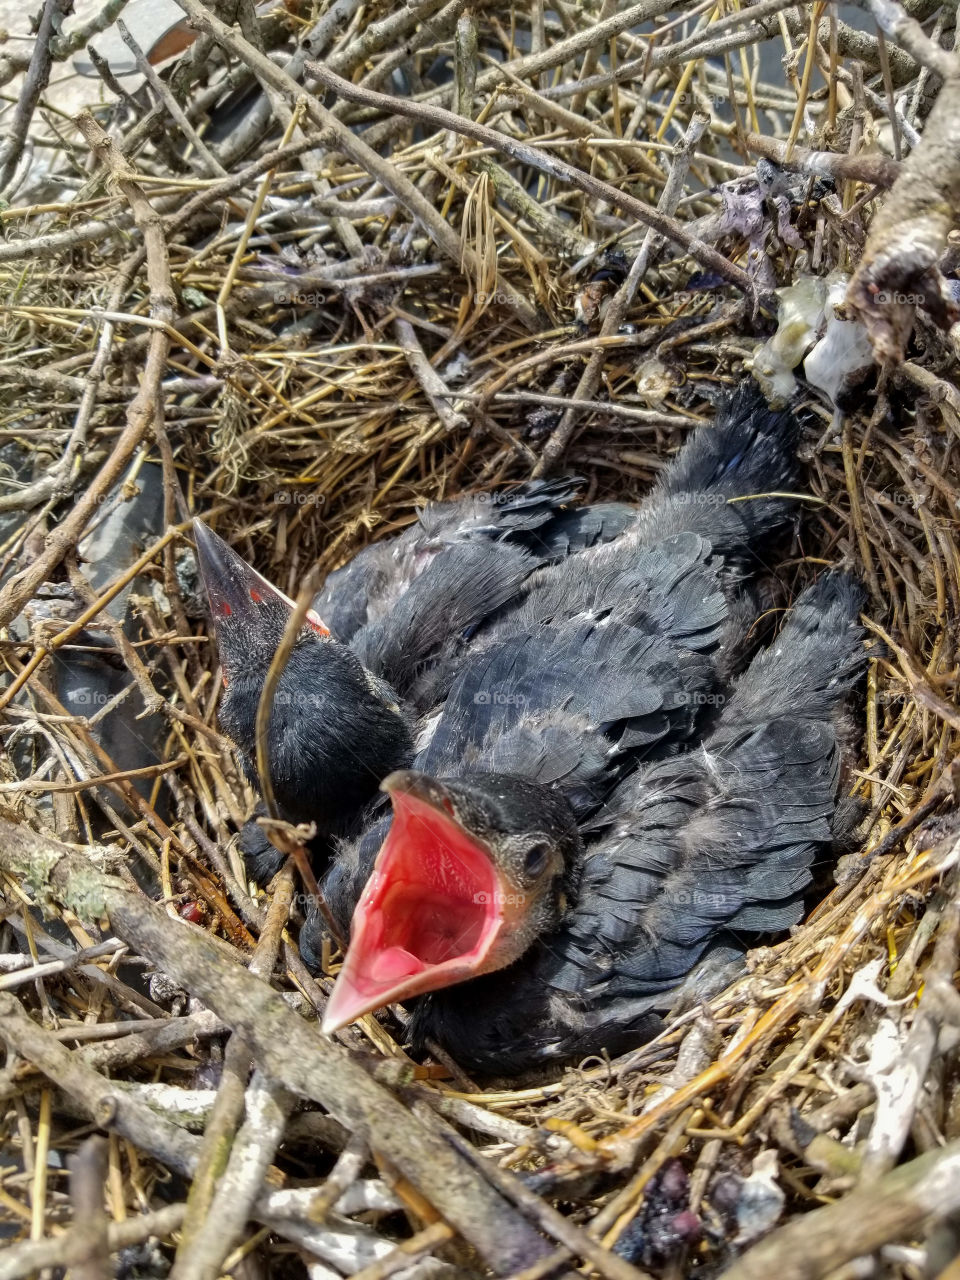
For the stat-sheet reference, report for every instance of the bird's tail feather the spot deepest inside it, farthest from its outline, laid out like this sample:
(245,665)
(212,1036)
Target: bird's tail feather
(810,668)
(725,837)
(728,481)
(751,448)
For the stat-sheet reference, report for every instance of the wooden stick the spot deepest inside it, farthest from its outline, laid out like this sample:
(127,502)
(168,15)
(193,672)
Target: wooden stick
(289,1050)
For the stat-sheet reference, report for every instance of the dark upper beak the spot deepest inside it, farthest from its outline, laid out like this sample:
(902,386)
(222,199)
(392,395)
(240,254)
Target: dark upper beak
(420,786)
(236,591)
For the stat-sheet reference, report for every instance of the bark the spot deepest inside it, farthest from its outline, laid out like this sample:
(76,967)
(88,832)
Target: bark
(899,269)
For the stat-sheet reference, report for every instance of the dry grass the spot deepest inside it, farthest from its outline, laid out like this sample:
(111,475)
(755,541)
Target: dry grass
(294,355)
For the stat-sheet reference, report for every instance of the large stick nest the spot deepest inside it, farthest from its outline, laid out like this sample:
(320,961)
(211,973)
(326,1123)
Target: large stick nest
(450,248)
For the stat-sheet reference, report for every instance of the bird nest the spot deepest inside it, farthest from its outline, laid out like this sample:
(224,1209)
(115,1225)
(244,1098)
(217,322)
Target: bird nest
(323,265)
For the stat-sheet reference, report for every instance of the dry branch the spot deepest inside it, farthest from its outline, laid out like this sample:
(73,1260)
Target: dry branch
(342,274)
(659,222)
(899,270)
(69,1250)
(924,1191)
(140,414)
(287,1049)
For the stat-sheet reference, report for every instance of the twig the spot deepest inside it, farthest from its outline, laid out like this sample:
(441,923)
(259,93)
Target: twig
(65,44)
(567,1233)
(335,135)
(347,1169)
(899,268)
(88,1171)
(112,1107)
(894,21)
(525,154)
(879,171)
(106,1104)
(815,1244)
(290,1051)
(142,408)
(902,1077)
(266,1106)
(401,1257)
(210,162)
(48,968)
(38,77)
(620,303)
(220,1199)
(69,1250)
(434,388)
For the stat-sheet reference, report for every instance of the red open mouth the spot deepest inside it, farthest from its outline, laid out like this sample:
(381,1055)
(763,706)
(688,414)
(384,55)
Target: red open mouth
(431,910)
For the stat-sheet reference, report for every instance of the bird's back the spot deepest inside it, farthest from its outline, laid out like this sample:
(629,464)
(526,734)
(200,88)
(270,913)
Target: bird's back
(537,517)
(690,854)
(474,568)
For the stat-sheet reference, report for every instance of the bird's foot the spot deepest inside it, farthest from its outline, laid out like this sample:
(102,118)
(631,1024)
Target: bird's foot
(261,858)
(312,932)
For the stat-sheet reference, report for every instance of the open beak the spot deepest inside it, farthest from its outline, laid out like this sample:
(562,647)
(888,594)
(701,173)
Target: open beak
(236,592)
(431,911)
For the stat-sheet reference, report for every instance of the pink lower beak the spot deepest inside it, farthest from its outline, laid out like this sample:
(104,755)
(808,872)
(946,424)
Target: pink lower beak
(430,913)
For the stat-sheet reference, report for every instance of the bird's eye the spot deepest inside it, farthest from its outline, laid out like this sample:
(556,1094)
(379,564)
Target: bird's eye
(536,859)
